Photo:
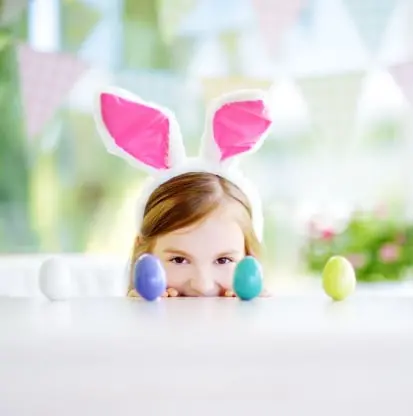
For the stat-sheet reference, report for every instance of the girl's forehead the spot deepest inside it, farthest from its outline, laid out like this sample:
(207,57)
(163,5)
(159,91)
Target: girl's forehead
(218,232)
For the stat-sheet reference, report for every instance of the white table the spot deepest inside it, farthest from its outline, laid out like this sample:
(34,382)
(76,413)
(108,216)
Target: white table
(284,356)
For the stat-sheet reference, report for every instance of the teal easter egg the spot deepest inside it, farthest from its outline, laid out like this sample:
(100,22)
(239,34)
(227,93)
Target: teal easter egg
(248,279)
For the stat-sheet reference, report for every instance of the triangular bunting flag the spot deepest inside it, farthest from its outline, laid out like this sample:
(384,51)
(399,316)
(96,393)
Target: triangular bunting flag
(230,44)
(78,21)
(403,75)
(162,87)
(371,18)
(275,17)
(213,87)
(172,13)
(45,81)
(333,102)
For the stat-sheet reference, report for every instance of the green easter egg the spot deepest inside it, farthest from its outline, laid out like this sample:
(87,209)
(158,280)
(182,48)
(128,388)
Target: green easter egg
(248,279)
(339,278)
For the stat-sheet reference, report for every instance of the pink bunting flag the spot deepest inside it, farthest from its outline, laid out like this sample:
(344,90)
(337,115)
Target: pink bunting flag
(275,17)
(45,81)
(403,75)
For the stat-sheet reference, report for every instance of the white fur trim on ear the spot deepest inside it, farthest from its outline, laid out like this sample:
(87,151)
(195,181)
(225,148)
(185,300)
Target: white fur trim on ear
(176,149)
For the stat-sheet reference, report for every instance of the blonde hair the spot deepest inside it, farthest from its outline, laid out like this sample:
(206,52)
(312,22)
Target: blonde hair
(186,200)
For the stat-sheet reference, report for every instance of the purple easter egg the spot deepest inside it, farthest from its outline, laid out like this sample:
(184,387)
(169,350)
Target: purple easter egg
(150,277)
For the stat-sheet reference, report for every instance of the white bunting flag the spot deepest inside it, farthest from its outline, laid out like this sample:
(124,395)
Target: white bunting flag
(214,87)
(332,102)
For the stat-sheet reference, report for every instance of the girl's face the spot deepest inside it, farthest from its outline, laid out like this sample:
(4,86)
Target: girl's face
(199,260)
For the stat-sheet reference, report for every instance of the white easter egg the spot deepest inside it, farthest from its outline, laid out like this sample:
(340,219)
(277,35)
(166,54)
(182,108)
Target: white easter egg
(55,280)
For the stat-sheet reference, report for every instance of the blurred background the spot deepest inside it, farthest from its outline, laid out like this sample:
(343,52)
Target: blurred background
(335,173)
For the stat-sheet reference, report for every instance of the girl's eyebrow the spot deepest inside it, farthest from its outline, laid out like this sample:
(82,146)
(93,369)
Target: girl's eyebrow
(182,253)
(177,252)
(228,253)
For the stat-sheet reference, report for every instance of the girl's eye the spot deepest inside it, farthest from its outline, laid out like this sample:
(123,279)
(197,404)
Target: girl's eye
(224,260)
(179,260)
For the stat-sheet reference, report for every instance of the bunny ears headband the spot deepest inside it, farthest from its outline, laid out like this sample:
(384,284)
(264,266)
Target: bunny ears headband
(149,137)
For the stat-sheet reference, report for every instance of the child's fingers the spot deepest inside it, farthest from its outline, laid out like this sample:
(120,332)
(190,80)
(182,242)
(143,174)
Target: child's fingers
(169,293)
(173,293)
(133,294)
(229,294)
(264,294)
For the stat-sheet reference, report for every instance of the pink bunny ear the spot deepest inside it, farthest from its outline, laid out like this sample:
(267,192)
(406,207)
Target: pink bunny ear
(239,124)
(136,130)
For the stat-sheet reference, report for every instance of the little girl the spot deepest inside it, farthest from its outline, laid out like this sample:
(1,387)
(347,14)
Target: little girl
(199,216)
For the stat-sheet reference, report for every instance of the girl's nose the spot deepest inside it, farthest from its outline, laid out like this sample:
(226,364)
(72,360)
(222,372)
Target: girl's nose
(204,286)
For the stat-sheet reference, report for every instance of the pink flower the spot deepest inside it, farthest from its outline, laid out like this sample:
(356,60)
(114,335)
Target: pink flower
(389,253)
(327,234)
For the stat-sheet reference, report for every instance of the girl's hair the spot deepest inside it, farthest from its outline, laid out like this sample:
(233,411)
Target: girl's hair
(186,200)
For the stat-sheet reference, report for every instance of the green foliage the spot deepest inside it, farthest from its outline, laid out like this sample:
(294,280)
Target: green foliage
(144,47)
(379,247)
(15,229)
